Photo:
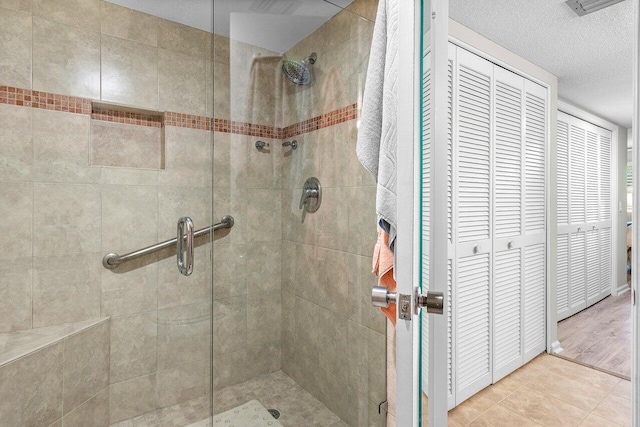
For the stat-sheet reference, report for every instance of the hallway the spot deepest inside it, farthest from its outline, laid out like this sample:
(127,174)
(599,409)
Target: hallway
(600,336)
(548,391)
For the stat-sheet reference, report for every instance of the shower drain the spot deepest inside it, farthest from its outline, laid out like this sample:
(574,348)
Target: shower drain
(275,413)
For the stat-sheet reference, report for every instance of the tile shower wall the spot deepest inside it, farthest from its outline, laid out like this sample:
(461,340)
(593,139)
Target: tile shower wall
(63,212)
(333,340)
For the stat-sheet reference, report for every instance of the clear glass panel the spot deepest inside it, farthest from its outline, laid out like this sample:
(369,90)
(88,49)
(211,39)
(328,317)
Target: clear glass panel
(104,145)
(294,329)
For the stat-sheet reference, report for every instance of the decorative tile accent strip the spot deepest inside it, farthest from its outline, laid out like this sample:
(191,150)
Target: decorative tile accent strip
(331,118)
(187,121)
(230,126)
(71,104)
(44,100)
(116,116)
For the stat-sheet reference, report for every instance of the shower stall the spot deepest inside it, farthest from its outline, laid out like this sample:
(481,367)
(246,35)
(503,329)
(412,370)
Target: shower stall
(187,232)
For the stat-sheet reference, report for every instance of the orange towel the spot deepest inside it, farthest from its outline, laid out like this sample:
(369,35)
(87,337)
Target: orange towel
(383,268)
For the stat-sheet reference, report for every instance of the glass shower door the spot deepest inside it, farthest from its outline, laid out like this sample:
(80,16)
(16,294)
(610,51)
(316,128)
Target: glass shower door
(105,142)
(293,327)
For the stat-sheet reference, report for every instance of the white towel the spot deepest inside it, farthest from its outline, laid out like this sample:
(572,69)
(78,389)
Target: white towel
(376,145)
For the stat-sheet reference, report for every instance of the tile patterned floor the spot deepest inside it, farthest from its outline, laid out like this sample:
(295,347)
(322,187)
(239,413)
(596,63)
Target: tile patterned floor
(600,336)
(180,415)
(549,391)
(277,390)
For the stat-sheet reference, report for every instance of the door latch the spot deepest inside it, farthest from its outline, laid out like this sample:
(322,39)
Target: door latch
(432,301)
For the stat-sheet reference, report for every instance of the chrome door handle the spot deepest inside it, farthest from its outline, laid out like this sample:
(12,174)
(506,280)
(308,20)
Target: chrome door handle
(185,267)
(381,297)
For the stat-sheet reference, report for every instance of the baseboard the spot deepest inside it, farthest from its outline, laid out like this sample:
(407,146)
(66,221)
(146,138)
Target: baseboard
(555,347)
(622,289)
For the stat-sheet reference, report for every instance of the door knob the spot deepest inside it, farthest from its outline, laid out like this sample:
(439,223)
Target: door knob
(432,301)
(381,297)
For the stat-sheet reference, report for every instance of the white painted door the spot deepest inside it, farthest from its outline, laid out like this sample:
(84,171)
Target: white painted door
(585,251)
(419,104)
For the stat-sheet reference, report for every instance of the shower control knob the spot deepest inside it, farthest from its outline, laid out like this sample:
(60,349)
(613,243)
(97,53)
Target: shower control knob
(261,145)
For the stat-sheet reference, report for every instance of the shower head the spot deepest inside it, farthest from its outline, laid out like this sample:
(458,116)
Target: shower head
(299,72)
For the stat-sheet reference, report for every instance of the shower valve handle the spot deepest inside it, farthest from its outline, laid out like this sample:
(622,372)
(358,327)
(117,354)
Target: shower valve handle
(307,194)
(311,195)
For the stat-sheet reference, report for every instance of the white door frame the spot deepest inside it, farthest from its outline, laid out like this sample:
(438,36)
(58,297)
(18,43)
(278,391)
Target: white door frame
(635,335)
(407,384)
(407,248)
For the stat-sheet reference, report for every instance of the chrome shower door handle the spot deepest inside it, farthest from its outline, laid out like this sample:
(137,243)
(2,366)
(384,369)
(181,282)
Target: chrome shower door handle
(185,267)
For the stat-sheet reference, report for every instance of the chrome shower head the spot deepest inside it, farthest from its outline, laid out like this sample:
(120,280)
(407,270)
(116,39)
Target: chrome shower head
(299,72)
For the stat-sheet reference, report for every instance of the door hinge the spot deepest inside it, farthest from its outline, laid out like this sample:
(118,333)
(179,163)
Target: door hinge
(633,297)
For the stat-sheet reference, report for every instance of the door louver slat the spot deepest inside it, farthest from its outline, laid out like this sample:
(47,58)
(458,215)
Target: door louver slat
(508,160)
(535,145)
(563,273)
(473,318)
(473,171)
(563,173)
(507,303)
(534,296)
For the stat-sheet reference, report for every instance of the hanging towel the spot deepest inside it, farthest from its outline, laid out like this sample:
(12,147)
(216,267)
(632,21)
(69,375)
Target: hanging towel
(383,268)
(376,145)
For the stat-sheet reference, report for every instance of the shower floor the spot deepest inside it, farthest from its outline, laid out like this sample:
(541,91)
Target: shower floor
(277,390)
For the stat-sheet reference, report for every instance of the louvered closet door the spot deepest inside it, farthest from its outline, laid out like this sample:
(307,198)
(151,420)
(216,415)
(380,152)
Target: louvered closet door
(577,190)
(508,207)
(534,237)
(606,243)
(426,153)
(584,226)
(426,209)
(473,206)
(563,276)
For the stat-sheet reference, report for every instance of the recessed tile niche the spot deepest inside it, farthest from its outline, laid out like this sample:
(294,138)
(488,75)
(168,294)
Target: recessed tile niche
(126,137)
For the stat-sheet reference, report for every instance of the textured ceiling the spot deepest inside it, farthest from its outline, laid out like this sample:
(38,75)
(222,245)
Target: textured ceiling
(591,55)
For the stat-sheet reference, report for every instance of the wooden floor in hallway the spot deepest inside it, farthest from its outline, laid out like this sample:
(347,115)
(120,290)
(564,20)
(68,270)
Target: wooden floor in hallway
(548,391)
(600,336)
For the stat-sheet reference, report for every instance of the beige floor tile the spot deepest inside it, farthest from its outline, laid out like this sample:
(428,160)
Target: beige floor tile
(593,420)
(616,409)
(574,392)
(543,409)
(528,372)
(501,416)
(471,409)
(572,370)
(503,388)
(622,389)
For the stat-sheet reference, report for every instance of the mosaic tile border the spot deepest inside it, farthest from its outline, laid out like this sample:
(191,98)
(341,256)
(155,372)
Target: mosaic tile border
(137,119)
(70,104)
(44,100)
(332,118)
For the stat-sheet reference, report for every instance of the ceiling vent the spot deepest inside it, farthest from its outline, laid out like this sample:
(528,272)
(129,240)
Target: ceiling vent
(275,7)
(585,7)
